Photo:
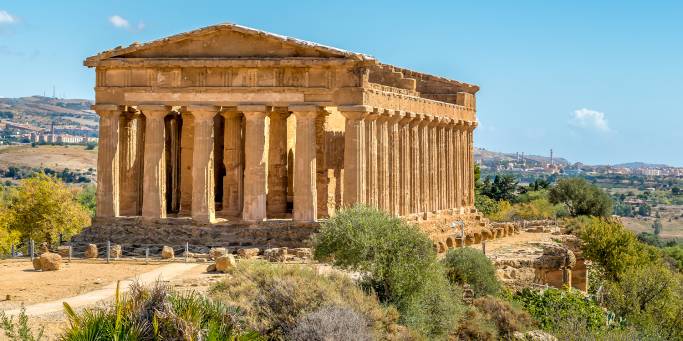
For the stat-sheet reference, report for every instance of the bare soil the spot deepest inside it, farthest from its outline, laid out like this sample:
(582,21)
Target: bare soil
(56,157)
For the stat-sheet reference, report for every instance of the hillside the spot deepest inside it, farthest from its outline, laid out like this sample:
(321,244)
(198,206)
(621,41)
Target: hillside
(42,111)
(487,156)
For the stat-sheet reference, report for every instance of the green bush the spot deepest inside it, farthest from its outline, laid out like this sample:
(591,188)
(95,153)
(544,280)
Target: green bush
(486,205)
(398,262)
(675,256)
(555,309)
(157,313)
(581,197)
(275,298)
(19,330)
(470,266)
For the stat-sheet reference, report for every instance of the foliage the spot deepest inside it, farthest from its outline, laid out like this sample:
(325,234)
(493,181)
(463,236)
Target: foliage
(90,145)
(398,263)
(554,308)
(331,323)
(44,207)
(657,226)
(87,199)
(507,317)
(581,197)
(486,205)
(536,209)
(650,298)
(503,187)
(612,247)
(674,254)
(157,313)
(275,298)
(470,266)
(8,237)
(476,326)
(19,330)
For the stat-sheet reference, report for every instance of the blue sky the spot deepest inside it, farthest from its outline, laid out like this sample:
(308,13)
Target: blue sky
(597,82)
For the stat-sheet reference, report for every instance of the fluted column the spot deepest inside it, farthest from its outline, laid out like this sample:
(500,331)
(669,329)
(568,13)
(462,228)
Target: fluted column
(425,200)
(305,174)
(394,162)
(130,164)
(186,156)
(383,162)
(450,163)
(470,151)
(404,134)
(354,154)
(416,195)
(108,161)
(441,156)
(276,200)
(203,198)
(433,165)
(371,161)
(154,198)
(462,164)
(234,167)
(255,162)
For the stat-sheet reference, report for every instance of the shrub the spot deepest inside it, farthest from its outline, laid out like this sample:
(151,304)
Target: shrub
(581,197)
(486,205)
(476,326)
(275,298)
(469,266)
(555,309)
(398,263)
(507,318)
(19,330)
(156,313)
(675,256)
(331,324)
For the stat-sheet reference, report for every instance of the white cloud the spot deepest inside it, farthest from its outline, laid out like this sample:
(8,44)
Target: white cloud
(6,18)
(591,119)
(119,21)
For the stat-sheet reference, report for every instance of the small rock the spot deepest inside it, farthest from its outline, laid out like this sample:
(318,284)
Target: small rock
(248,253)
(116,251)
(224,263)
(303,252)
(216,252)
(50,261)
(36,264)
(167,252)
(278,254)
(91,251)
(211,268)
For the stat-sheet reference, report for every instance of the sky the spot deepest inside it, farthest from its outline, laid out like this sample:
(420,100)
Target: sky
(598,82)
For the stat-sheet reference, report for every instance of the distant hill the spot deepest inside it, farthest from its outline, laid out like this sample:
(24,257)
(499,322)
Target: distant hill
(636,165)
(40,111)
(486,156)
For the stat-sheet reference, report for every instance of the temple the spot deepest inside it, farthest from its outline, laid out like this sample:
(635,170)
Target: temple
(232,124)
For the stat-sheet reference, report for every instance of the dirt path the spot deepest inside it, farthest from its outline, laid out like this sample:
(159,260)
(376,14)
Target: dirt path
(166,272)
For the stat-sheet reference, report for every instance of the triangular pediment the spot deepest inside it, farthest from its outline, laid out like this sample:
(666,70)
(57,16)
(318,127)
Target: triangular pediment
(225,41)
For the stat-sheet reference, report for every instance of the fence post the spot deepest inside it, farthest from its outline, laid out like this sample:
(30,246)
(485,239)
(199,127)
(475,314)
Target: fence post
(483,246)
(30,247)
(12,252)
(71,249)
(147,255)
(187,250)
(108,251)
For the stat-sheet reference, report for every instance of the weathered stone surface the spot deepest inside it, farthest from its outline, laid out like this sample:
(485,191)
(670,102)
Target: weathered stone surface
(278,254)
(211,267)
(44,247)
(50,261)
(36,264)
(533,335)
(116,251)
(167,252)
(302,252)
(248,253)
(63,250)
(91,251)
(225,262)
(216,252)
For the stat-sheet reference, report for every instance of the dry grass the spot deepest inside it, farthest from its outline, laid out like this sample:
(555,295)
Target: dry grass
(55,157)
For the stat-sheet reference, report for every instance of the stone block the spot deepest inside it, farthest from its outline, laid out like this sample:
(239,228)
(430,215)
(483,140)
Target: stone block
(248,253)
(36,264)
(167,252)
(216,252)
(63,250)
(225,262)
(91,251)
(278,254)
(211,268)
(116,251)
(50,261)
(303,252)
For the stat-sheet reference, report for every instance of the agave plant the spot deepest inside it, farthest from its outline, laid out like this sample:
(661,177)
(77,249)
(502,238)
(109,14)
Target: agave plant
(157,313)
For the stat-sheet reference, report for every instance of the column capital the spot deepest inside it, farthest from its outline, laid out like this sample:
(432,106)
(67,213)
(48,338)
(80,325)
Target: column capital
(304,108)
(232,113)
(104,109)
(372,116)
(252,108)
(434,121)
(407,117)
(155,111)
(202,112)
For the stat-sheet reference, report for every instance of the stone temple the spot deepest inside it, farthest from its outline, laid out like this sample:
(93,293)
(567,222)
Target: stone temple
(234,135)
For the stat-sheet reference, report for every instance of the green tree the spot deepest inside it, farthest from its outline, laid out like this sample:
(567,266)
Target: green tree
(503,187)
(86,197)
(644,210)
(657,226)
(581,198)
(472,267)
(43,207)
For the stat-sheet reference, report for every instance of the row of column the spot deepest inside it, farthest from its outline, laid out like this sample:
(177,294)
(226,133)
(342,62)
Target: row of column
(406,163)
(246,160)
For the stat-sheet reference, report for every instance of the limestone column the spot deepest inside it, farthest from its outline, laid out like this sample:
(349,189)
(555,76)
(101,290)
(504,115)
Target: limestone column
(405,169)
(186,156)
(463,165)
(130,164)
(233,160)
(371,158)
(305,174)
(425,196)
(394,162)
(276,199)
(108,161)
(354,154)
(441,156)
(383,162)
(154,198)
(450,163)
(255,162)
(203,198)
(470,151)
(433,165)
(416,195)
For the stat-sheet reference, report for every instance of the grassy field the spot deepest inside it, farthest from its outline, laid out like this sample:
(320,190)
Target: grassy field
(672,223)
(55,157)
